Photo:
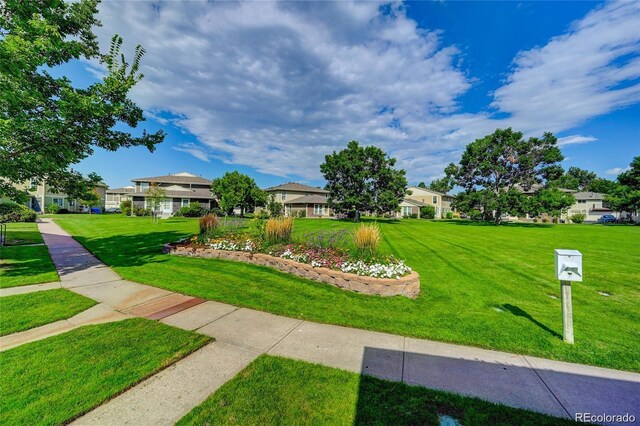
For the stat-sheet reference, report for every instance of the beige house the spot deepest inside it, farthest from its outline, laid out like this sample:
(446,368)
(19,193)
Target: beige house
(420,197)
(41,195)
(181,190)
(301,200)
(591,204)
(114,196)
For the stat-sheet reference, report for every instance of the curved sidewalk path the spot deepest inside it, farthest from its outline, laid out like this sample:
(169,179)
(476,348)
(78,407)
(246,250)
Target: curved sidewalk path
(557,388)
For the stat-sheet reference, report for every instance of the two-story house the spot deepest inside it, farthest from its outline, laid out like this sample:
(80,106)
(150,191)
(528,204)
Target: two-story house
(301,200)
(591,204)
(420,197)
(181,189)
(41,195)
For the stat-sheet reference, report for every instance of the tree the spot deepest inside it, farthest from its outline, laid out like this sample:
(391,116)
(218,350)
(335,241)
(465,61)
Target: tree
(551,201)
(363,179)
(90,199)
(626,196)
(501,163)
(274,207)
(442,185)
(575,178)
(155,195)
(603,186)
(422,185)
(235,189)
(47,124)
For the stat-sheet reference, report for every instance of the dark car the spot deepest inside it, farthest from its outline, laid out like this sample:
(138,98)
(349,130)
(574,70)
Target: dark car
(95,210)
(607,218)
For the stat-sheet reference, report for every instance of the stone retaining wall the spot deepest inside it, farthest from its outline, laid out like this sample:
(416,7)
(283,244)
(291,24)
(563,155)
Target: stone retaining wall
(409,285)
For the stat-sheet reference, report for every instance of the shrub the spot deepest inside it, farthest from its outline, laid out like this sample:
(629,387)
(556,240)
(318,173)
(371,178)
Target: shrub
(208,224)
(63,211)
(367,239)
(278,230)
(545,220)
(302,213)
(578,217)
(450,215)
(125,207)
(413,215)
(192,210)
(475,214)
(51,208)
(139,211)
(535,220)
(14,212)
(427,212)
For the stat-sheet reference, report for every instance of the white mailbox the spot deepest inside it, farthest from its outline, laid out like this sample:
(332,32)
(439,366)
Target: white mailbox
(568,265)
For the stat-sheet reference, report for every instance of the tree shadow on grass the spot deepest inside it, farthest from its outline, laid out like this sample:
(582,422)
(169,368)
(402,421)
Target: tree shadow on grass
(524,314)
(464,222)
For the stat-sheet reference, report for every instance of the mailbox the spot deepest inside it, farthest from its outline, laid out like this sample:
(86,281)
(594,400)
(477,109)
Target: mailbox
(568,265)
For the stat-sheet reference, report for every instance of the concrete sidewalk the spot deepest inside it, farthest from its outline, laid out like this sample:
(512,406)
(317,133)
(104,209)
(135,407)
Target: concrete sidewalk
(552,387)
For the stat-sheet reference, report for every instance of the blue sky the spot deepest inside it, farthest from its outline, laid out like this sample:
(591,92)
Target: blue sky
(270,88)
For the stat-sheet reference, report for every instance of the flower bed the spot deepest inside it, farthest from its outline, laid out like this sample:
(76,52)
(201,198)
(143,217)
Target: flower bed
(385,277)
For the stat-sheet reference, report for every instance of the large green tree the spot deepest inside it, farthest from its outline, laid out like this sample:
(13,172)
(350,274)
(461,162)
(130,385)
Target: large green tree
(626,196)
(442,185)
(46,123)
(363,178)
(551,201)
(235,189)
(501,164)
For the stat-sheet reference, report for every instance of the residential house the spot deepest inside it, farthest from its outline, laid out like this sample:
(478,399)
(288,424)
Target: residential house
(591,204)
(41,195)
(301,200)
(181,190)
(421,197)
(115,196)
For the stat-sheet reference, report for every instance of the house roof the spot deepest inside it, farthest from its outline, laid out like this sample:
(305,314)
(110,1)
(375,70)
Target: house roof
(182,177)
(123,190)
(589,196)
(186,193)
(293,186)
(537,186)
(415,202)
(430,190)
(309,199)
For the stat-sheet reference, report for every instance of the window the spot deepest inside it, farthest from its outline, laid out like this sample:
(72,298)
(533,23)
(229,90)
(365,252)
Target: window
(58,201)
(283,196)
(72,203)
(435,199)
(185,202)
(582,201)
(34,183)
(318,209)
(144,186)
(406,211)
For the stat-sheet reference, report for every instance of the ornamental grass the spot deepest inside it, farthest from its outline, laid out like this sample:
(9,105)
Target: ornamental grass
(208,223)
(367,239)
(278,230)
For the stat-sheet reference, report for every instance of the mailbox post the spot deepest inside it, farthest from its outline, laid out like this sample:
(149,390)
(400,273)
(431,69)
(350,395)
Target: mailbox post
(568,269)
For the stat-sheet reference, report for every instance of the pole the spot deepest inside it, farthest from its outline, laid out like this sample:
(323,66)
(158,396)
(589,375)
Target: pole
(567,311)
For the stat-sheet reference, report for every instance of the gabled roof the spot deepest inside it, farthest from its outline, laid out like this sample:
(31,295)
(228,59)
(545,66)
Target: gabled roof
(185,193)
(182,177)
(309,199)
(430,190)
(293,186)
(537,186)
(589,196)
(122,190)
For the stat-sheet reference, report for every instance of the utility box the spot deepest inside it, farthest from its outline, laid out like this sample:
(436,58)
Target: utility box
(568,265)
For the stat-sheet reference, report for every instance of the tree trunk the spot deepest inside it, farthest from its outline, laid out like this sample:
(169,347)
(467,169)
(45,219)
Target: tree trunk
(498,217)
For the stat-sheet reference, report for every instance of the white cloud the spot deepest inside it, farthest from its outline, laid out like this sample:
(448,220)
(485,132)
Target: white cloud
(194,150)
(276,86)
(617,170)
(575,140)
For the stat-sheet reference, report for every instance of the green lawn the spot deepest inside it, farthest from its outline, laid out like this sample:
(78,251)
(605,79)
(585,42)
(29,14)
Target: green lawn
(274,390)
(23,265)
(55,380)
(25,311)
(485,286)
(23,233)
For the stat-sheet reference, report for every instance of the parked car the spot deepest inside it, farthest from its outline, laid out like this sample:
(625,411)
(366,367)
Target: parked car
(113,210)
(607,218)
